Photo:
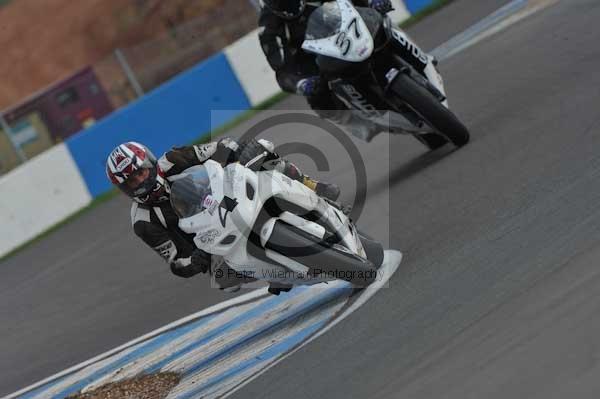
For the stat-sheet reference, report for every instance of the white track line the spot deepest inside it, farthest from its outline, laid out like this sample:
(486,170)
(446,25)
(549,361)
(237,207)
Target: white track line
(501,19)
(445,52)
(252,350)
(392,260)
(494,23)
(254,295)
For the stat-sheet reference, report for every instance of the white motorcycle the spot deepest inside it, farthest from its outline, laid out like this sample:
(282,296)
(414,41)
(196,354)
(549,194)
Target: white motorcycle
(360,54)
(269,227)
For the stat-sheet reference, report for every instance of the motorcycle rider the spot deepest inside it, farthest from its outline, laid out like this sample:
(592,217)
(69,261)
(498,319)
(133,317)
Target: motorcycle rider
(283,25)
(135,171)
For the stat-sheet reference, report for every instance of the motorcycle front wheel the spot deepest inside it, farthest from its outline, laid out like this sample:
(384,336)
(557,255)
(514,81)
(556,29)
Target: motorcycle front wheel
(433,113)
(320,257)
(432,141)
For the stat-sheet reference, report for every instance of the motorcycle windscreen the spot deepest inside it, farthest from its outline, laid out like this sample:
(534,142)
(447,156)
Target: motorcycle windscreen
(372,19)
(337,30)
(191,193)
(324,22)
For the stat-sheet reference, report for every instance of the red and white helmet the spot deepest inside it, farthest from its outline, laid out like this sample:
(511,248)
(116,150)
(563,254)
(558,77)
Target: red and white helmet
(133,168)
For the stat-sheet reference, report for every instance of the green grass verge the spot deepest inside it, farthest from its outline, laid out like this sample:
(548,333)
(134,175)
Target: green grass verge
(430,9)
(436,5)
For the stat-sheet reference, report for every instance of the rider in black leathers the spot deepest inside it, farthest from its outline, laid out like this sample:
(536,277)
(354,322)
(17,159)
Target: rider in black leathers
(283,26)
(133,168)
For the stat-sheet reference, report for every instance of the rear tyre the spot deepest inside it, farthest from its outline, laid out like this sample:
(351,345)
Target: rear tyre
(319,256)
(432,111)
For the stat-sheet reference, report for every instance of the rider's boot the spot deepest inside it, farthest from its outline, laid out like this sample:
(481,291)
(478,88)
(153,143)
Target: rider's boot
(226,278)
(323,189)
(278,288)
(363,129)
(232,289)
(359,127)
(346,209)
(329,191)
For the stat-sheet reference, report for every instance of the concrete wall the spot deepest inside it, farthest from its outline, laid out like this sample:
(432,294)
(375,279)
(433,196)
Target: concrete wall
(39,194)
(64,179)
(175,113)
(252,69)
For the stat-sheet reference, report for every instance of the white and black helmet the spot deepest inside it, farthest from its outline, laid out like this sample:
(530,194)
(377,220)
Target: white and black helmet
(134,170)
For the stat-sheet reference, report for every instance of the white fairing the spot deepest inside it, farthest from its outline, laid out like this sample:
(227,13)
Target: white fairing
(352,43)
(215,224)
(430,71)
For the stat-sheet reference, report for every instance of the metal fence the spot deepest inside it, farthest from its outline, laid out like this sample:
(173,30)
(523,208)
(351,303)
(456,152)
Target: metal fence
(153,62)
(130,71)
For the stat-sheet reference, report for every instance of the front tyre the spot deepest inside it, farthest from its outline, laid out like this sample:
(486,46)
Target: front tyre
(319,256)
(440,118)
(432,141)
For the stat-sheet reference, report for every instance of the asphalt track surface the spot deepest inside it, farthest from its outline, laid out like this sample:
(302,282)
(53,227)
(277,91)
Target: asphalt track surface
(498,291)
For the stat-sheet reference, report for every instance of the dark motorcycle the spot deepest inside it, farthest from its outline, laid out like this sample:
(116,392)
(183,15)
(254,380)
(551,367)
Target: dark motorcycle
(358,52)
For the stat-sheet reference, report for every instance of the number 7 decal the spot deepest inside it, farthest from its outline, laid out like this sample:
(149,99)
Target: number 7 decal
(354,22)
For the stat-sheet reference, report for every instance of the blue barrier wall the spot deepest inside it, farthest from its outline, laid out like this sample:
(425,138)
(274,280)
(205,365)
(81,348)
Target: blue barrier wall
(175,113)
(414,6)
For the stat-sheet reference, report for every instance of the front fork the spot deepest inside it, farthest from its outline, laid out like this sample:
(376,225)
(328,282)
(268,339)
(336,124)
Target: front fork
(425,64)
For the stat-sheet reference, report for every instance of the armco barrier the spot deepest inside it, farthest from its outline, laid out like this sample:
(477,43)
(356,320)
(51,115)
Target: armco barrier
(39,194)
(175,113)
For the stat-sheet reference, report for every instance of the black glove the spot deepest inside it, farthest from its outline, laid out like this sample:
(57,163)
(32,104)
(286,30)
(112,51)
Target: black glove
(182,155)
(382,6)
(181,158)
(199,262)
(250,150)
(310,86)
(227,151)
